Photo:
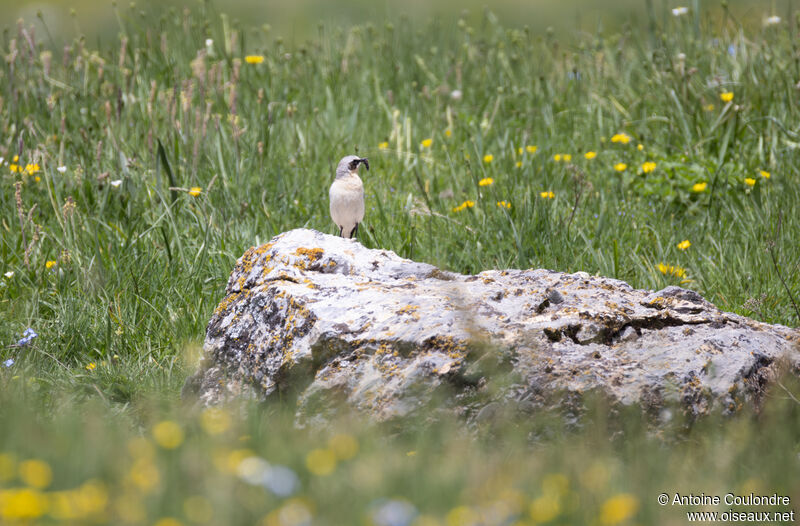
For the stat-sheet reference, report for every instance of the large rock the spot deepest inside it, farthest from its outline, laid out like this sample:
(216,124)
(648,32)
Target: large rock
(319,320)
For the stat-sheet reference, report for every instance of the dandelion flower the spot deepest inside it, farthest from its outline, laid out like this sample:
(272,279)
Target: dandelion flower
(321,462)
(726,96)
(590,155)
(168,434)
(504,204)
(683,245)
(699,187)
(623,138)
(426,143)
(254,59)
(557,157)
(50,264)
(671,270)
(620,167)
(618,509)
(749,181)
(488,158)
(61,169)
(531,148)
(547,195)
(195,191)
(384,145)
(648,167)
(35,473)
(486,181)
(764,174)
(640,147)
(680,11)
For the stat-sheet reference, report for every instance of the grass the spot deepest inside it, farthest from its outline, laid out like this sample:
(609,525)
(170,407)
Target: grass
(117,265)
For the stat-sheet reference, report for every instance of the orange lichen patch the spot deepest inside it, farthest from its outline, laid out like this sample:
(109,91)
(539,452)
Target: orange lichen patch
(226,302)
(313,254)
(411,310)
(252,255)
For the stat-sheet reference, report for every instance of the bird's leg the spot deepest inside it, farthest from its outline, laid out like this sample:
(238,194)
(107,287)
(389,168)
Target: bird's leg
(355,232)
(340,232)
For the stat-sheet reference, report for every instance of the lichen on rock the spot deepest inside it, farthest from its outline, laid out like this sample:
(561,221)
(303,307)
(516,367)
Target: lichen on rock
(329,321)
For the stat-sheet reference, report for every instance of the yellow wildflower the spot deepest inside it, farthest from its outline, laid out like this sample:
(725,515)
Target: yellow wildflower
(531,149)
(545,508)
(16,158)
(448,132)
(520,150)
(726,96)
(35,473)
(486,181)
(31,168)
(91,366)
(504,204)
(321,462)
(254,59)
(648,167)
(590,155)
(749,181)
(15,168)
(620,167)
(683,245)
(168,434)
(671,270)
(547,195)
(557,157)
(50,264)
(567,157)
(488,158)
(708,107)
(519,164)
(624,138)
(463,206)
(195,191)
(384,145)
(699,187)
(764,174)
(618,509)
(23,504)
(215,421)
(640,147)
(344,446)
(426,143)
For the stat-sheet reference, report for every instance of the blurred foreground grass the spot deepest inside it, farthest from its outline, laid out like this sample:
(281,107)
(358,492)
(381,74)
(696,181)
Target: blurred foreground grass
(89,464)
(133,176)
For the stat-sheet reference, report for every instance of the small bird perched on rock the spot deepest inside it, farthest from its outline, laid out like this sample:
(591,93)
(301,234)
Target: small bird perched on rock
(347,196)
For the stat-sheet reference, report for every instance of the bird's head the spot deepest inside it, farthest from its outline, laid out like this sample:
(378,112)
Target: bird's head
(350,164)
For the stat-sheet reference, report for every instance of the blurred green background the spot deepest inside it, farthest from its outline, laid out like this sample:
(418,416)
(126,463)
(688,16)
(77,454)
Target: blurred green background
(296,20)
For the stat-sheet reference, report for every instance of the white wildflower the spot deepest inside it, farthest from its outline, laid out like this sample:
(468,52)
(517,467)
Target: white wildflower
(679,11)
(61,169)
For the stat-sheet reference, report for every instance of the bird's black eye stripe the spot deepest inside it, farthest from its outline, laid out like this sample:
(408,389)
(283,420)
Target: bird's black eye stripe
(353,165)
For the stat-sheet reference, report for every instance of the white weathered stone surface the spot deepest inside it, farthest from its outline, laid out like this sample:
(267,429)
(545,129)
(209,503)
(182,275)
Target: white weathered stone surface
(328,320)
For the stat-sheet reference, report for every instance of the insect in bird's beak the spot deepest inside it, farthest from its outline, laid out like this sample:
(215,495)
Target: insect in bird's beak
(365,162)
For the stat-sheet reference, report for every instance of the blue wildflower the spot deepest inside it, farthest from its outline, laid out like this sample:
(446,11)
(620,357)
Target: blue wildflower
(9,362)
(27,337)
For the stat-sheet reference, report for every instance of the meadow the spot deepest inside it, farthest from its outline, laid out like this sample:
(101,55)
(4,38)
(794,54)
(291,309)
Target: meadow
(135,171)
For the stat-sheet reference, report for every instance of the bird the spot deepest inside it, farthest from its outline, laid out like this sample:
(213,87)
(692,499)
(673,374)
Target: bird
(347,196)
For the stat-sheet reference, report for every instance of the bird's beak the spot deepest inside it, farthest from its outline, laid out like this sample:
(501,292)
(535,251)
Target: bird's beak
(365,162)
